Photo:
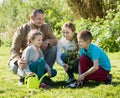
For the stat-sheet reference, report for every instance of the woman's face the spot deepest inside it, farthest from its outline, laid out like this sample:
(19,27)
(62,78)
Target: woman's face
(68,33)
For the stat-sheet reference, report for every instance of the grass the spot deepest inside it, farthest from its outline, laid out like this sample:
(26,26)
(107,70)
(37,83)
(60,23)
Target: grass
(10,89)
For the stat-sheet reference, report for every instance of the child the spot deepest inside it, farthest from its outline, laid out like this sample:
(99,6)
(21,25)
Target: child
(67,50)
(94,63)
(34,57)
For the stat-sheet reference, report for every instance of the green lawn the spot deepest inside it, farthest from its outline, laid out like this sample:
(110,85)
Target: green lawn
(10,89)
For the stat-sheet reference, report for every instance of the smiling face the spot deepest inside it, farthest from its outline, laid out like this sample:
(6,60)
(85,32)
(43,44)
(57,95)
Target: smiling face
(68,33)
(83,44)
(37,41)
(84,39)
(38,20)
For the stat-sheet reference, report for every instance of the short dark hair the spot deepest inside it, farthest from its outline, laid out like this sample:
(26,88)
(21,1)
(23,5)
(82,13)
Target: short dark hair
(35,11)
(70,25)
(85,35)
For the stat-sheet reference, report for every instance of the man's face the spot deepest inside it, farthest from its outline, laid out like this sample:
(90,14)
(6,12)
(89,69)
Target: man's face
(38,20)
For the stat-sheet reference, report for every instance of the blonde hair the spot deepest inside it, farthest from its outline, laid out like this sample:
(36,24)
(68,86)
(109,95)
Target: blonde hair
(32,35)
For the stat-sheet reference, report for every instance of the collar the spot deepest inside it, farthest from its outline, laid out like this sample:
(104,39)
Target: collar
(89,49)
(32,26)
(35,48)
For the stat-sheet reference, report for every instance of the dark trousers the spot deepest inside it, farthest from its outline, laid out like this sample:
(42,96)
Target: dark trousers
(74,69)
(99,75)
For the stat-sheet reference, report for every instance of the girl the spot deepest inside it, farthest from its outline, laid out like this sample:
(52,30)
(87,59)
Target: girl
(67,50)
(34,58)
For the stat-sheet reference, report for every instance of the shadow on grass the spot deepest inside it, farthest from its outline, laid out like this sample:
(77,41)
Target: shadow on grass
(116,83)
(91,84)
(63,84)
(1,91)
(58,84)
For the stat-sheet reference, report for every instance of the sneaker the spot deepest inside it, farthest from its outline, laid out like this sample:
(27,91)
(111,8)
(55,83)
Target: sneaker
(70,80)
(109,80)
(74,85)
(21,81)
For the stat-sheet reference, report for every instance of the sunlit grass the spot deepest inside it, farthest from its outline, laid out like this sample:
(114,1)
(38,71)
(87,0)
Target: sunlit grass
(10,89)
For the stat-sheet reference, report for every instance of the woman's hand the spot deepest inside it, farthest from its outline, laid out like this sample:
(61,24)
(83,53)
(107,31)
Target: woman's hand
(49,73)
(66,67)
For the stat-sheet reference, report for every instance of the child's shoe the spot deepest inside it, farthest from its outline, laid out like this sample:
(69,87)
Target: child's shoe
(70,80)
(74,85)
(44,86)
(21,81)
(109,80)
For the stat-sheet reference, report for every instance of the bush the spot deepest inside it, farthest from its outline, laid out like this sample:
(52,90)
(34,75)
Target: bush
(105,31)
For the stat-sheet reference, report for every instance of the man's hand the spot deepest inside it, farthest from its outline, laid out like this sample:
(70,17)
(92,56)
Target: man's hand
(44,45)
(66,67)
(22,63)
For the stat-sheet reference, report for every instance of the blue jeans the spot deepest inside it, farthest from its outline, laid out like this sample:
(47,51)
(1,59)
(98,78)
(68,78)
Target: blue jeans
(38,67)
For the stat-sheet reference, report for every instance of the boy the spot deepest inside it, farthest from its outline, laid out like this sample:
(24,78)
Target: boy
(94,64)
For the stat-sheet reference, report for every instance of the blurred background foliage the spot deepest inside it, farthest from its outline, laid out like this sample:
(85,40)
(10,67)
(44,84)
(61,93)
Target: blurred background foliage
(101,17)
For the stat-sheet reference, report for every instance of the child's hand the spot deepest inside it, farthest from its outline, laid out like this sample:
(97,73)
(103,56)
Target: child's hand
(81,77)
(49,73)
(66,67)
(79,83)
(31,74)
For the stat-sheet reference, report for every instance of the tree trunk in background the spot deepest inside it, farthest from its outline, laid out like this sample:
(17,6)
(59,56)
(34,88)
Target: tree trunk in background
(90,8)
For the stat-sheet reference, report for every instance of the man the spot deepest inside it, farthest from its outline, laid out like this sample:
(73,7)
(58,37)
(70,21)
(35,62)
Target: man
(20,41)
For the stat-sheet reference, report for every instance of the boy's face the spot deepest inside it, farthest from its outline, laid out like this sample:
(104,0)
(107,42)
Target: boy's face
(68,34)
(83,44)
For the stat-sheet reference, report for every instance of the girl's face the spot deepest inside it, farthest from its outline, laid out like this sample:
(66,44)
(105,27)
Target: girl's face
(83,44)
(68,33)
(37,42)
